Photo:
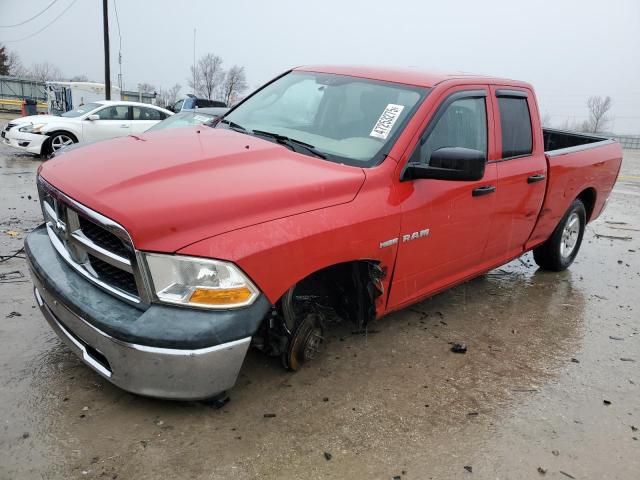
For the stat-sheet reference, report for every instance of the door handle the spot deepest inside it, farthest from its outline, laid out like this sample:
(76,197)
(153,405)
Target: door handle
(124,125)
(538,177)
(486,190)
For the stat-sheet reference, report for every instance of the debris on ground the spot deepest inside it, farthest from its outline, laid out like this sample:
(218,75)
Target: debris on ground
(269,415)
(567,474)
(14,314)
(613,337)
(626,359)
(607,402)
(328,456)
(575,360)
(542,471)
(613,237)
(468,468)
(16,254)
(459,348)
(555,452)
(12,233)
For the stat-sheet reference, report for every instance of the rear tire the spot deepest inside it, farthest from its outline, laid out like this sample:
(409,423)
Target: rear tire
(560,250)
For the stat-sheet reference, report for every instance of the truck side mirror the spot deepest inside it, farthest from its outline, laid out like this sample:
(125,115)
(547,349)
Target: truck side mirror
(93,117)
(449,163)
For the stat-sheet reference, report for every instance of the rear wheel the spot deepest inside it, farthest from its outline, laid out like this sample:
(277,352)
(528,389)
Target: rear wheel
(560,250)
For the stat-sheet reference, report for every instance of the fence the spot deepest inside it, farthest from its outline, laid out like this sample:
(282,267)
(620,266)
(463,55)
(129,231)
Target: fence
(13,90)
(628,141)
(130,96)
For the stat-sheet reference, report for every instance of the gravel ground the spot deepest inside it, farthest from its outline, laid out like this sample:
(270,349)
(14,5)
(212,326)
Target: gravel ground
(543,386)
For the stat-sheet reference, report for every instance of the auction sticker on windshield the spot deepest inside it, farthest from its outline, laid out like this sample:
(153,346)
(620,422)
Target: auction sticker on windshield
(386,121)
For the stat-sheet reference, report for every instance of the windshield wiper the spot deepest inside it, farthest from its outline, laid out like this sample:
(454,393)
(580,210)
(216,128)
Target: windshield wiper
(234,126)
(291,142)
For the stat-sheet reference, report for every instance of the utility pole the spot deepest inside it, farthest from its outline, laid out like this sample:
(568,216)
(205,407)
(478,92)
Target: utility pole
(107,69)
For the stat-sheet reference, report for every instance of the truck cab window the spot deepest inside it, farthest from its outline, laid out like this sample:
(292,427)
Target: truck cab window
(515,121)
(463,124)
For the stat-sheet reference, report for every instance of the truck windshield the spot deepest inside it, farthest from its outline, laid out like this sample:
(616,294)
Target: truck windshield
(347,119)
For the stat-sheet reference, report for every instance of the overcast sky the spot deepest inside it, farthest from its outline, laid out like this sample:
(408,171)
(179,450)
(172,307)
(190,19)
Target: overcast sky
(567,49)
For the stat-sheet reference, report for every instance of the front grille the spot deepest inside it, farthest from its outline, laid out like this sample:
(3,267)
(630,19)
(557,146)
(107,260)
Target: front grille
(102,237)
(98,248)
(113,275)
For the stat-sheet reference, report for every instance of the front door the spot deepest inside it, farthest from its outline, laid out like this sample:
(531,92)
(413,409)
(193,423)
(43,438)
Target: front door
(114,122)
(445,224)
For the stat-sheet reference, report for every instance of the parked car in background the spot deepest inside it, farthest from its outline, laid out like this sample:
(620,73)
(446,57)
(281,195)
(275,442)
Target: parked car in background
(191,102)
(45,134)
(186,118)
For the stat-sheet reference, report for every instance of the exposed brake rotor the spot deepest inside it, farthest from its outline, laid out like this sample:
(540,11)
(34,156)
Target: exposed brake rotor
(306,342)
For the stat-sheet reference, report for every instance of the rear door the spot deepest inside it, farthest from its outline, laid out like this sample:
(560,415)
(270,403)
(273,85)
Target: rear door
(114,122)
(522,170)
(144,118)
(445,224)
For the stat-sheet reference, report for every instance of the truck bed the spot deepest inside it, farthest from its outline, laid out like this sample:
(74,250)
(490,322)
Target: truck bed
(578,166)
(555,140)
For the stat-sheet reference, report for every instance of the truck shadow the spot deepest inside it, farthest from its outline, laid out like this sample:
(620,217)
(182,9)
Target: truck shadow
(521,327)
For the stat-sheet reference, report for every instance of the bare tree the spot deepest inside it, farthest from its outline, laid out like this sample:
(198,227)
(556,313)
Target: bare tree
(79,78)
(42,72)
(146,87)
(169,96)
(234,85)
(546,119)
(16,68)
(208,75)
(598,118)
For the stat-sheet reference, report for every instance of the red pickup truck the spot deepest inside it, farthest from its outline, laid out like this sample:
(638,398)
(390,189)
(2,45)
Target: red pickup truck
(329,194)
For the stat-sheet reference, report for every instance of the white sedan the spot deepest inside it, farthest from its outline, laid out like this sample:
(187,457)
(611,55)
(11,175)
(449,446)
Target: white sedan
(44,134)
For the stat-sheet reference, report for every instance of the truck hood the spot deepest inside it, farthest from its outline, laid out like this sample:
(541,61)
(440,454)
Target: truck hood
(175,187)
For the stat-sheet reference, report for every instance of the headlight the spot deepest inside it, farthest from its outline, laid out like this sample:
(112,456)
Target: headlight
(199,282)
(32,128)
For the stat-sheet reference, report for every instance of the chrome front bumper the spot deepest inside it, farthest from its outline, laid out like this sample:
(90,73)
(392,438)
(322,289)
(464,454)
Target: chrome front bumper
(161,351)
(152,371)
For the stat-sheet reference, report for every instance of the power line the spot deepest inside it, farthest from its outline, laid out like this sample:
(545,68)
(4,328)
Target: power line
(43,28)
(29,19)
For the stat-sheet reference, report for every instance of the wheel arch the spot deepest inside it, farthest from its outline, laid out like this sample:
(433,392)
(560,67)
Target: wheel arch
(361,280)
(46,145)
(588,198)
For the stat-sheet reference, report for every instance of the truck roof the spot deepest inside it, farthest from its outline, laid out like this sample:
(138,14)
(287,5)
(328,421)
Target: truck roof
(409,76)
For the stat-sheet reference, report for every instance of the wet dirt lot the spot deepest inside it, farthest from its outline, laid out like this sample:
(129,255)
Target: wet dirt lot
(527,400)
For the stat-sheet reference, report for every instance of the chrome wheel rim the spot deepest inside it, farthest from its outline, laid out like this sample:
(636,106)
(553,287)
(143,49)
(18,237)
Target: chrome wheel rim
(60,141)
(570,235)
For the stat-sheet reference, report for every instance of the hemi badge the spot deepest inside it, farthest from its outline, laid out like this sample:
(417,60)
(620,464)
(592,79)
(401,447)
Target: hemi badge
(388,243)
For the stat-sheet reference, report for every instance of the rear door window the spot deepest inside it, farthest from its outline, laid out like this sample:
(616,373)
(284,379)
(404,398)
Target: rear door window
(515,122)
(144,113)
